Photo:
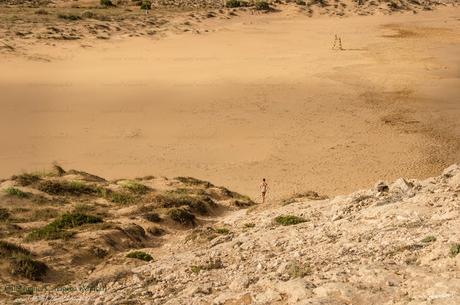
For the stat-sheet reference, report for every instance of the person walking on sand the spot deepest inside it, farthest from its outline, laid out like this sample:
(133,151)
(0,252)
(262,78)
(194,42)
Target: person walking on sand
(263,189)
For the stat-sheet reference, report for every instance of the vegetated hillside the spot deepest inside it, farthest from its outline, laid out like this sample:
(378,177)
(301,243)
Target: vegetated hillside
(57,227)
(397,243)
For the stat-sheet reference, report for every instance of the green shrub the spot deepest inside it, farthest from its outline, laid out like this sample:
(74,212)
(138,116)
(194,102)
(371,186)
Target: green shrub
(454,250)
(429,239)
(8,250)
(146,5)
(152,217)
(56,229)
(4,215)
(136,187)
(140,255)
(182,216)
(25,266)
(73,188)
(262,6)
(26,179)
(12,191)
(288,220)
(106,3)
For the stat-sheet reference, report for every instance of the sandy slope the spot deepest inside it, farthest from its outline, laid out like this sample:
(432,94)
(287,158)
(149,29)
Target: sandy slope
(396,246)
(261,96)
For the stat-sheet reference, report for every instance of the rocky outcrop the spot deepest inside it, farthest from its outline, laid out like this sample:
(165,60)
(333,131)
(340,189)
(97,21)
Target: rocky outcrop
(387,245)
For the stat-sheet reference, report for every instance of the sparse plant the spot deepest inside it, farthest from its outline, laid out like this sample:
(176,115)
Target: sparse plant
(152,217)
(57,228)
(249,225)
(13,191)
(118,197)
(146,5)
(73,188)
(43,214)
(199,204)
(140,255)
(26,179)
(8,250)
(262,6)
(454,250)
(194,181)
(182,216)
(300,2)
(288,220)
(223,231)
(136,187)
(429,239)
(156,231)
(99,252)
(233,3)
(69,16)
(41,11)
(23,265)
(106,3)
(4,214)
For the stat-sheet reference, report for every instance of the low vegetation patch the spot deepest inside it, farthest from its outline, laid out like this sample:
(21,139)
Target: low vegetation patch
(249,225)
(223,231)
(429,239)
(26,179)
(262,6)
(454,250)
(106,3)
(136,187)
(194,181)
(69,16)
(57,228)
(199,204)
(123,198)
(289,220)
(4,215)
(152,217)
(182,216)
(156,231)
(72,188)
(146,5)
(8,250)
(140,255)
(12,191)
(23,265)
(236,3)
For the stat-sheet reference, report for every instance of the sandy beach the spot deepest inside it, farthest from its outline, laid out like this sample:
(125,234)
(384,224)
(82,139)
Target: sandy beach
(256,96)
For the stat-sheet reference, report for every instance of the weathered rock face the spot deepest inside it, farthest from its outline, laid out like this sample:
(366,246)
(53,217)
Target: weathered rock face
(396,246)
